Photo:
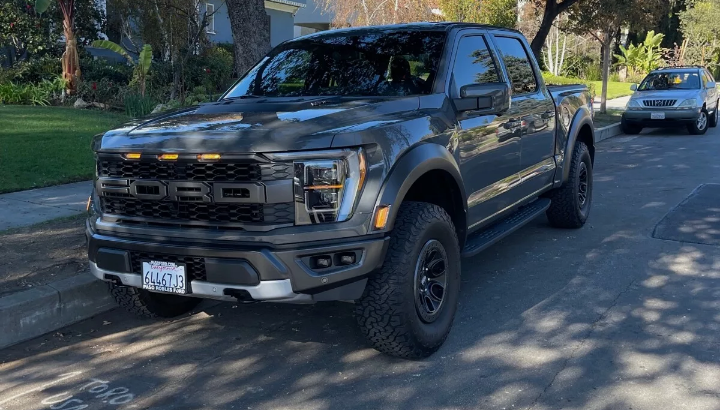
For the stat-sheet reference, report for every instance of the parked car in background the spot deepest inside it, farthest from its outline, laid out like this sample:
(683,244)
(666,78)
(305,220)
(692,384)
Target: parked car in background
(673,96)
(354,165)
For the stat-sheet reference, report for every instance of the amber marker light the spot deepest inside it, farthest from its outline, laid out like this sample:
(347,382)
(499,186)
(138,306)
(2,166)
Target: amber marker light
(87,207)
(132,155)
(208,157)
(168,157)
(381,216)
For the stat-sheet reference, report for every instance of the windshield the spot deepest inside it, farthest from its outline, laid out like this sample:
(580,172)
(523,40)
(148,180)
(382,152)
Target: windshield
(369,64)
(678,80)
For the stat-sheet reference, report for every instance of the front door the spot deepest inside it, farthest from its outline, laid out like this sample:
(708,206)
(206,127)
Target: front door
(488,144)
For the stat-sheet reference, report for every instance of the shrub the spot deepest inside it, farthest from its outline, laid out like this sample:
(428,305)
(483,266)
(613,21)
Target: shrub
(31,94)
(103,91)
(137,105)
(99,69)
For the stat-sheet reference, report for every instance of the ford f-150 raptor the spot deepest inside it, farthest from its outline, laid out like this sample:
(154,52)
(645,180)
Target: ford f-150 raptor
(354,164)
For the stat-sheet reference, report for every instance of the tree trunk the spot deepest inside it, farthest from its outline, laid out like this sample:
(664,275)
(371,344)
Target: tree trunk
(552,10)
(607,42)
(548,18)
(250,27)
(70,60)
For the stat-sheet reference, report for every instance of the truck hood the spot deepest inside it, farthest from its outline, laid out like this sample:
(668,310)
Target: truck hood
(255,125)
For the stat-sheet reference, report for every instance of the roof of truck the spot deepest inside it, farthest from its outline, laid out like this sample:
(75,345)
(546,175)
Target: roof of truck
(419,26)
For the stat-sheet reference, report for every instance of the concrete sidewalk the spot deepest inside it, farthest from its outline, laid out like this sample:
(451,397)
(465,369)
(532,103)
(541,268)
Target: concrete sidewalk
(614,104)
(26,208)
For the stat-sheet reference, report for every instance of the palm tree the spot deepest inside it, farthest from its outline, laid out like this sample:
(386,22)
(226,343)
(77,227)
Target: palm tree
(70,59)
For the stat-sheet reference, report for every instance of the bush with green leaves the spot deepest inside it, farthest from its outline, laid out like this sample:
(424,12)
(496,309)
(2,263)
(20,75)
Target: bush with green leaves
(138,105)
(141,67)
(42,93)
(104,91)
(97,69)
(642,58)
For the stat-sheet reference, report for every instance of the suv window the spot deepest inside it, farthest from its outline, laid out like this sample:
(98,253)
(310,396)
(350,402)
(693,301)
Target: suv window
(473,63)
(517,64)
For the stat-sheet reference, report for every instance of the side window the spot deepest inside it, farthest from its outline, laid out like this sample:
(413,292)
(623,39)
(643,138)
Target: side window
(473,63)
(517,64)
(704,79)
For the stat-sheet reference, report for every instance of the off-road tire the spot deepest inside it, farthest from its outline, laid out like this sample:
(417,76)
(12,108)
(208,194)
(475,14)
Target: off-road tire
(151,305)
(387,311)
(713,119)
(630,129)
(566,210)
(693,126)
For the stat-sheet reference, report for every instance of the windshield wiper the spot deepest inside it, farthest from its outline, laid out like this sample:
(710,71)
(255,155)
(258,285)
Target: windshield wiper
(242,97)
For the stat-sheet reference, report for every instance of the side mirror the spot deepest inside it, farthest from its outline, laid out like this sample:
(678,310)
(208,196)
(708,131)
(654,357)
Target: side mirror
(711,84)
(492,97)
(633,87)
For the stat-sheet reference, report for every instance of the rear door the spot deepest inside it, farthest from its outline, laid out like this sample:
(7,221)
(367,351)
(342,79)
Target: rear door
(533,106)
(488,144)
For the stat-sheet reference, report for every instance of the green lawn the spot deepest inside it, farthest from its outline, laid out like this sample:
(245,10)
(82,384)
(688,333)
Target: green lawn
(615,89)
(42,146)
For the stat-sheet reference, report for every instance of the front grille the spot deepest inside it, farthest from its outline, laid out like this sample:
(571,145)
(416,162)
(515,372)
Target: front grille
(659,103)
(194,266)
(199,211)
(193,171)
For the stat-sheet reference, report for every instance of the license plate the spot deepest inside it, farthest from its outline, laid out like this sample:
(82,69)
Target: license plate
(657,116)
(168,277)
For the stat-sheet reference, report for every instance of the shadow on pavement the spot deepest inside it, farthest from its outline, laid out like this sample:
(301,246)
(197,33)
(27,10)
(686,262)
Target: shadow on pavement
(605,317)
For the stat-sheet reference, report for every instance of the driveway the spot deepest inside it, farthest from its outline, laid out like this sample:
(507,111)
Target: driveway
(606,317)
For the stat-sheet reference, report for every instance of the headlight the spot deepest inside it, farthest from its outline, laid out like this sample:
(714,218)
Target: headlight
(326,184)
(633,104)
(689,103)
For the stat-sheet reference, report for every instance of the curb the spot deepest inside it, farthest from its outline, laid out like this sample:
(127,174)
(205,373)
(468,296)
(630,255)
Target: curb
(34,312)
(607,132)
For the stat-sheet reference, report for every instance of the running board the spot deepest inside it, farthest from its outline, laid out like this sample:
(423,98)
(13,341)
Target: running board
(480,241)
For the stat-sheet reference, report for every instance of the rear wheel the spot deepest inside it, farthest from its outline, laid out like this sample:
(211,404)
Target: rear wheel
(700,125)
(409,305)
(148,304)
(570,204)
(713,119)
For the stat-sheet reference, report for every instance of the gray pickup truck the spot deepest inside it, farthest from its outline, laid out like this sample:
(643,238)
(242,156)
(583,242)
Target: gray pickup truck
(355,165)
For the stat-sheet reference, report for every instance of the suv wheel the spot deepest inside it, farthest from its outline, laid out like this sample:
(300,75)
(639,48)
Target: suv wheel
(409,304)
(713,119)
(570,204)
(151,305)
(630,129)
(699,126)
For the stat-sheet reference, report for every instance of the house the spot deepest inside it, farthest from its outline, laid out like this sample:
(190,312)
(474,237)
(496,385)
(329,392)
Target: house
(311,19)
(282,20)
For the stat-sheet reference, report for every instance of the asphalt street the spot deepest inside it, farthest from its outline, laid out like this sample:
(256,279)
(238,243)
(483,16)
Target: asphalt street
(622,314)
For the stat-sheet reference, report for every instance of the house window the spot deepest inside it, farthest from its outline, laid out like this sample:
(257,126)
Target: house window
(210,10)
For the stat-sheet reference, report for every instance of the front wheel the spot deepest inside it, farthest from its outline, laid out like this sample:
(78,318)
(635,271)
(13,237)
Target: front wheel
(713,119)
(700,125)
(408,306)
(570,204)
(151,305)
(630,129)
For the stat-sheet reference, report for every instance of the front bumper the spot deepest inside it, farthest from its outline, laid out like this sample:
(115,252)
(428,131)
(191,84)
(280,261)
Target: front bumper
(245,272)
(672,117)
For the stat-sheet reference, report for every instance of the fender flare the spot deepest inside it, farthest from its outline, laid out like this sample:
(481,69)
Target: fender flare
(582,117)
(409,168)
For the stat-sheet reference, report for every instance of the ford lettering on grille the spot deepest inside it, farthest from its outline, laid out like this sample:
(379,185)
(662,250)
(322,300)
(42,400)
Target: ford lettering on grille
(182,191)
